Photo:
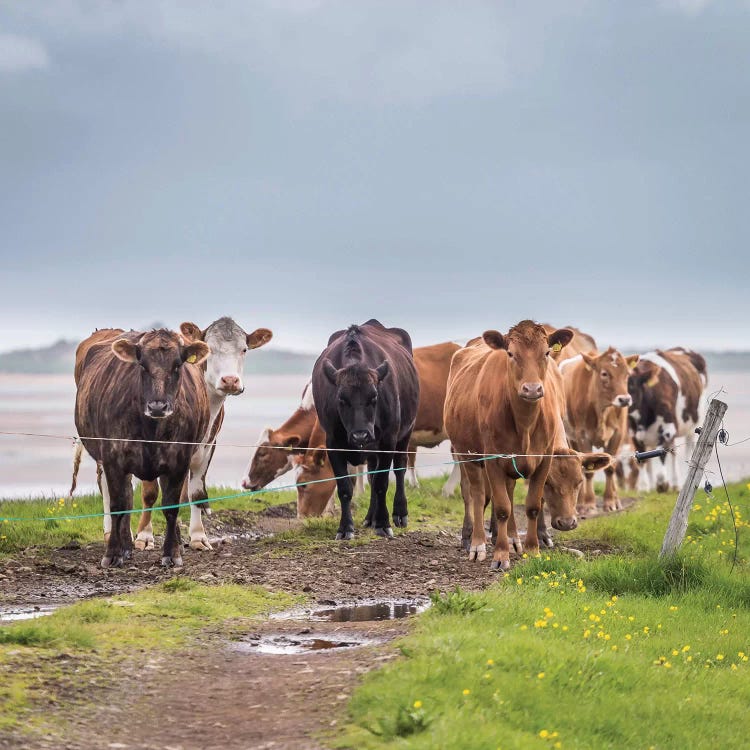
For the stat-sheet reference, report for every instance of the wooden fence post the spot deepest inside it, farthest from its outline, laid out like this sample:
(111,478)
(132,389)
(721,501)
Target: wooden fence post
(679,521)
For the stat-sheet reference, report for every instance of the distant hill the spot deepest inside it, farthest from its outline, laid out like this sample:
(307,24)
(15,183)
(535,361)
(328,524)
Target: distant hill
(60,358)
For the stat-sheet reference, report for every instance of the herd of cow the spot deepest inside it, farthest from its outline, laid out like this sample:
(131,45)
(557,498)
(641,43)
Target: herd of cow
(537,404)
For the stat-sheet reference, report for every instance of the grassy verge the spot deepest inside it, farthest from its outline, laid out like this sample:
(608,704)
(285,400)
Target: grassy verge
(619,651)
(95,634)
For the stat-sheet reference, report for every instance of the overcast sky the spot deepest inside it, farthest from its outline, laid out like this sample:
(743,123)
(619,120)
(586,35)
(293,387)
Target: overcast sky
(446,167)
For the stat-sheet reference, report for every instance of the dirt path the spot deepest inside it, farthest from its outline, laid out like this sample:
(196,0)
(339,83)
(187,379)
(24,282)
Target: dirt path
(212,694)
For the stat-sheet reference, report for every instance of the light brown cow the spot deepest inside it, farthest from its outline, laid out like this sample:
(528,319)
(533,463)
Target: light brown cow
(596,414)
(314,475)
(497,402)
(433,364)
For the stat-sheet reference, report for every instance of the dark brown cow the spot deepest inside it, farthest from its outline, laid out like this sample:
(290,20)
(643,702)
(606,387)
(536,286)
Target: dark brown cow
(498,402)
(136,386)
(433,364)
(666,388)
(597,401)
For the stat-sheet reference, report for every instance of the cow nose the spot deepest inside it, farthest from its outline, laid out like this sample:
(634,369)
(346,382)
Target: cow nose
(230,383)
(624,400)
(157,408)
(360,436)
(565,524)
(532,391)
(247,484)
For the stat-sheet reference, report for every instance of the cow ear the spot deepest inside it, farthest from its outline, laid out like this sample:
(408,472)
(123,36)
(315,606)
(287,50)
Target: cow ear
(654,376)
(195,353)
(292,441)
(191,331)
(589,360)
(319,456)
(258,338)
(127,351)
(595,461)
(632,361)
(382,370)
(495,340)
(559,338)
(329,371)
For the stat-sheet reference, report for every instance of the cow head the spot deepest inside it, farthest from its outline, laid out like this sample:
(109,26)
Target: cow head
(272,458)
(357,399)
(314,474)
(652,416)
(160,355)
(229,345)
(528,347)
(564,481)
(610,377)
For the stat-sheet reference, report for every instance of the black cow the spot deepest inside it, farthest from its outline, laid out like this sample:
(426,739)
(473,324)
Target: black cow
(366,391)
(136,386)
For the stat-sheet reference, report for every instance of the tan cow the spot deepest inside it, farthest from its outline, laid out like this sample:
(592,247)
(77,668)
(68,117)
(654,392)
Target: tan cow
(433,364)
(596,414)
(314,475)
(498,402)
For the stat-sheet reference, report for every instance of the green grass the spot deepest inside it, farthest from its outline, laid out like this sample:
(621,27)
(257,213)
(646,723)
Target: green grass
(618,651)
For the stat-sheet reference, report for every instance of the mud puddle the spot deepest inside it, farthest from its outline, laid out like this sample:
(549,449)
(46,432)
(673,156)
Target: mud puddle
(15,614)
(282,643)
(370,610)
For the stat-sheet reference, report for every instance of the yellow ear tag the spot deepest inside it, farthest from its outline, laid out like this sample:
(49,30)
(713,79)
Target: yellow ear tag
(192,359)
(589,467)
(653,381)
(557,347)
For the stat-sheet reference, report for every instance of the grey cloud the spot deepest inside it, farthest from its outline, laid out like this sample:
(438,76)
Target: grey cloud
(20,53)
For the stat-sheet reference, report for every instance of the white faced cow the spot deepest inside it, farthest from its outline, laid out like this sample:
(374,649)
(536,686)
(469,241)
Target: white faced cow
(223,377)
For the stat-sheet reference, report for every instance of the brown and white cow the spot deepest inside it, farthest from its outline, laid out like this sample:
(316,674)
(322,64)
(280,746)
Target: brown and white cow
(597,401)
(314,476)
(139,387)
(433,364)
(222,372)
(666,388)
(500,401)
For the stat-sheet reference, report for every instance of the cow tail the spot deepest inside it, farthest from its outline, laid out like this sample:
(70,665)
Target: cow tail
(699,363)
(77,453)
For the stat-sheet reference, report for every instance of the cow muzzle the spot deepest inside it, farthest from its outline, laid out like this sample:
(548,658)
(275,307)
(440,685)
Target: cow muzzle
(159,409)
(360,438)
(231,385)
(531,391)
(247,484)
(565,524)
(623,400)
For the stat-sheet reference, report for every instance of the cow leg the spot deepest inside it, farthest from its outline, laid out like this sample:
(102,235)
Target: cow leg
(474,494)
(662,483)
(411,472)
(453,480)
(119,545)
(534,505)
(171,490)
(400,506)
(544,534)
(380,520)
(646,477)
(145,537)
(502,509)
(197,491)
(372,467)
(359,480)
(611,498)
(106,503)
(344,487)
(468,525)
(514,540)
(586,504)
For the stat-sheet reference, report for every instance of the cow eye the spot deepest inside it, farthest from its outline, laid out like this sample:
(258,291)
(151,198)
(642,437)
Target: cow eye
(510,354)
(244,351)
(546,354)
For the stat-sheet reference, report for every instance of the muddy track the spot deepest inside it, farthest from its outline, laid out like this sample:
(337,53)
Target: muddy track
(212,694)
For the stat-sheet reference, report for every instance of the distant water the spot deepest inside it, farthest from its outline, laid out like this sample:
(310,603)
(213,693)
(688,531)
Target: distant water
(44,404)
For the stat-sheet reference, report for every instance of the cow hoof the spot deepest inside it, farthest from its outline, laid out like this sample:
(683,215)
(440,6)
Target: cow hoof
(516,544)
(387,532)
(128,554)
(662,486)
(112,562)
(144,544)
(367,522)
(500,566)
(478,553)
(171,562)
(546,540)
(344,536)
(200,544)
(401,521)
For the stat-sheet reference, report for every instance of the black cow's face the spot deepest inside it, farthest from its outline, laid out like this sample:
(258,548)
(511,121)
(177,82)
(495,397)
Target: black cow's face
(357,400)
(160,355)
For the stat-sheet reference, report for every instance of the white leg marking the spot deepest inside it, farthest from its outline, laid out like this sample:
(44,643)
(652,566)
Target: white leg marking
(453,481)
(411,477)
(107,507)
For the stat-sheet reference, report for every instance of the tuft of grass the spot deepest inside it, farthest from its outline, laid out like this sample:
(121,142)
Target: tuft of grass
(455,602)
